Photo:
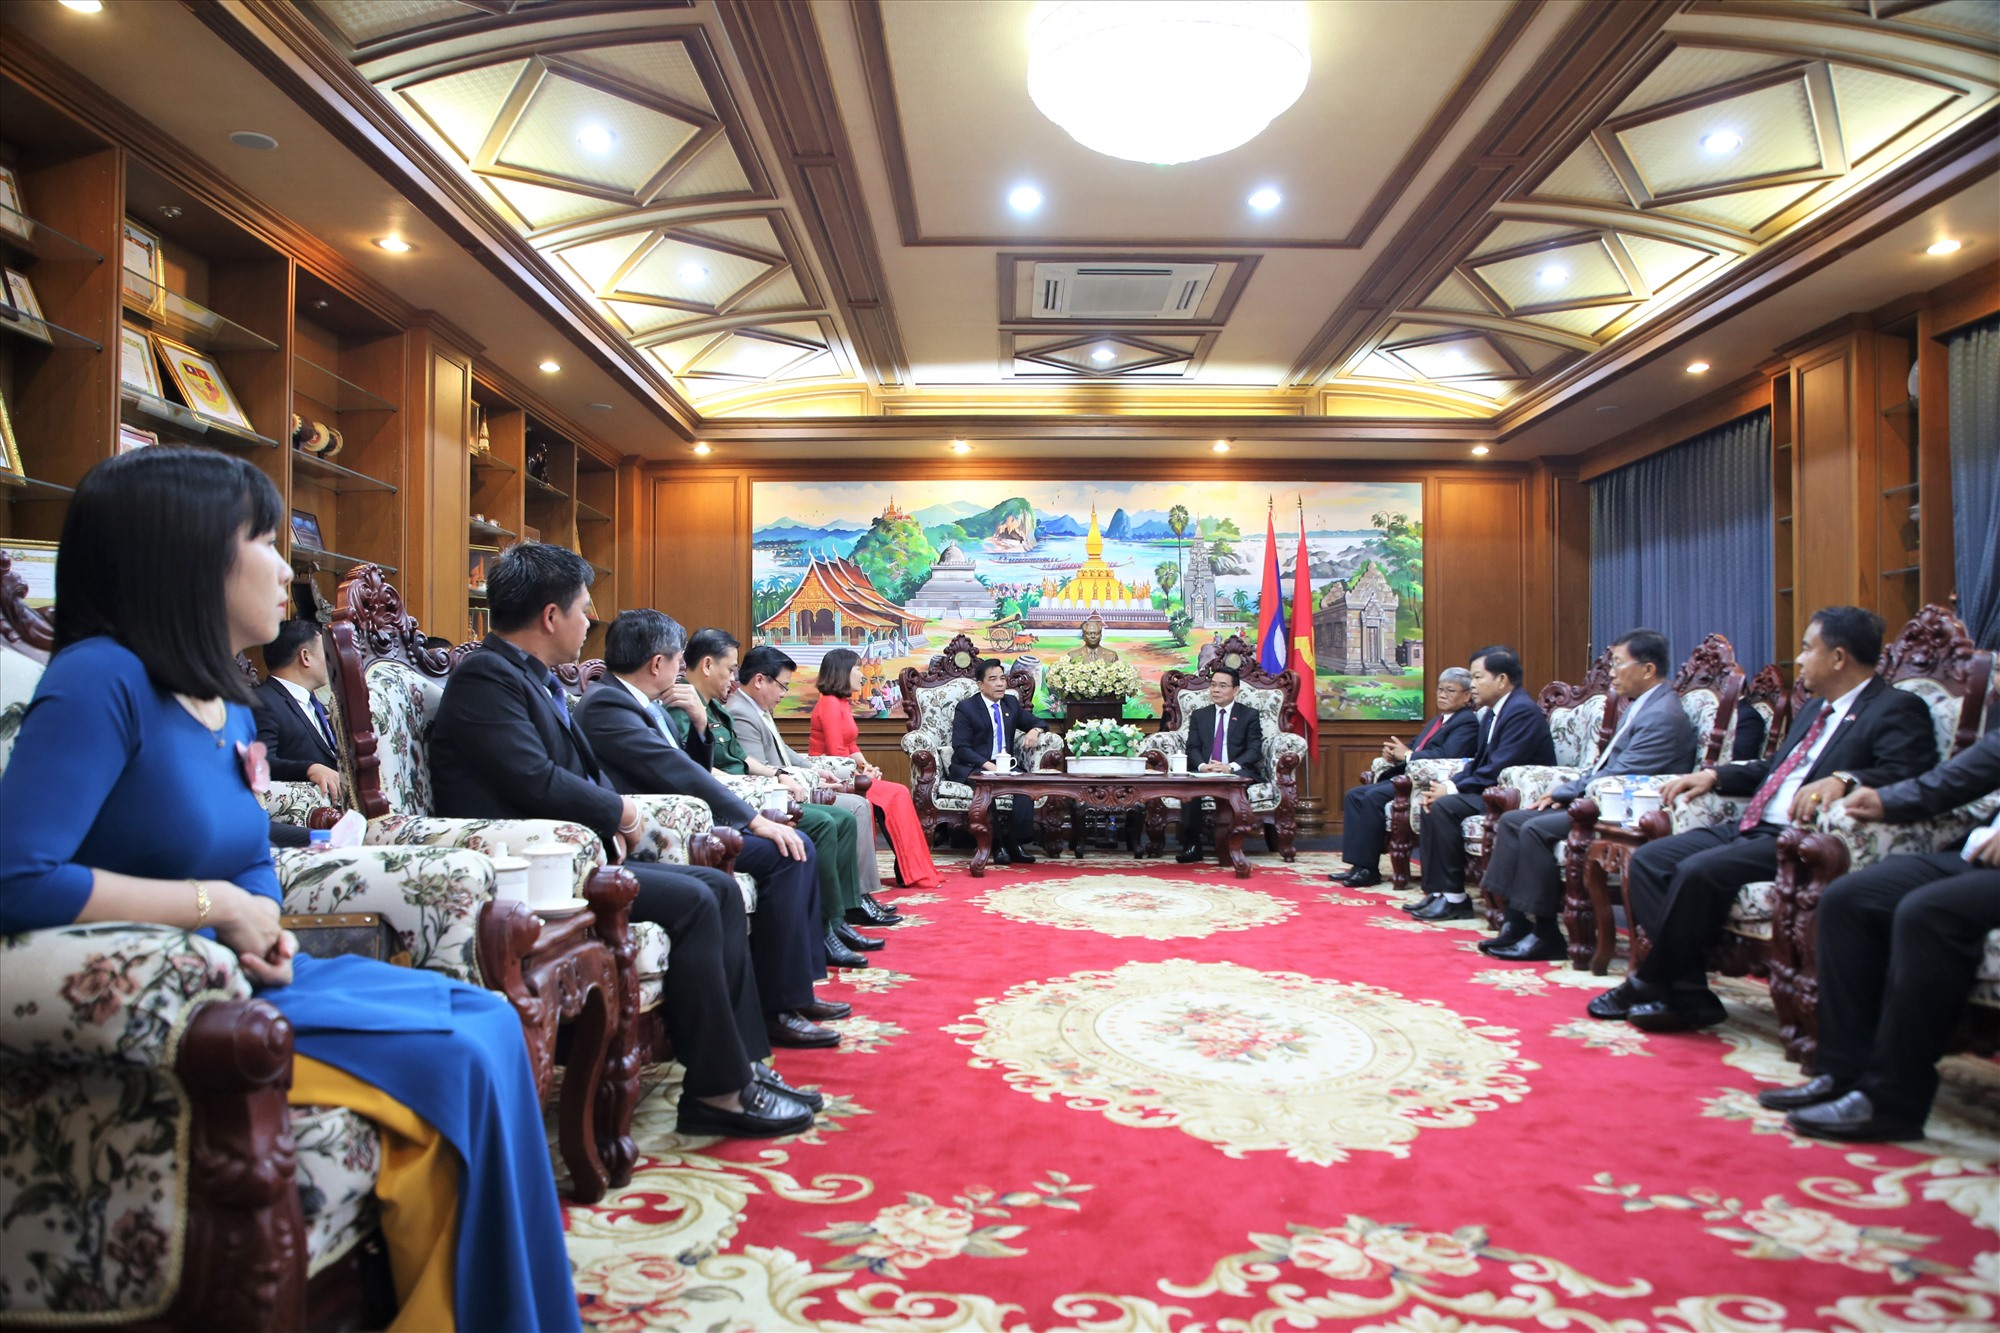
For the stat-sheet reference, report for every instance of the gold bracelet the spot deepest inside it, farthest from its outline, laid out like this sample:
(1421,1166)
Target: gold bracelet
(201,904)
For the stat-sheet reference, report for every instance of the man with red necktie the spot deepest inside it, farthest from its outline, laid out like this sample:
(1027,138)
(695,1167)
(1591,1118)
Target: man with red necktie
(1452,734)
(1856,732)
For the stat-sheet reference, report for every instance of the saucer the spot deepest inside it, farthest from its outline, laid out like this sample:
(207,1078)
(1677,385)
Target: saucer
(566,907)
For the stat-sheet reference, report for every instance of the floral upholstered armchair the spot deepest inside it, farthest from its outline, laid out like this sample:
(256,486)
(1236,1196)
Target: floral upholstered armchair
(929,698)
(1935,658)
(1274,801)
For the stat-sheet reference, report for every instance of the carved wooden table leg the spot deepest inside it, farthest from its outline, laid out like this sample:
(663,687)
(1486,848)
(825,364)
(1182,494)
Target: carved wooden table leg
(1604,858)
(1156,828)
(1232,819)
(587,989)
(979,818)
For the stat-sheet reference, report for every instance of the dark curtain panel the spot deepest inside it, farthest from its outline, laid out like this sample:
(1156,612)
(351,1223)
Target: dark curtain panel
(1682,543)
(1975,477)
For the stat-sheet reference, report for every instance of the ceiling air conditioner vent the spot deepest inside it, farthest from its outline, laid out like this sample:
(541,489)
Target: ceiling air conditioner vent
(1120,291)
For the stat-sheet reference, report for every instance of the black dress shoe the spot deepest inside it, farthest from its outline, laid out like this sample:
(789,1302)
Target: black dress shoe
(1852,1116)
(1361,879)
(791,1029)
(872,913)
(1621,999)
(766,1114)
(1019,856)
(1443,909)
(1002,857)
(775,1081)
(854,939)
(1420,904)
(839,955)
(1189,855)
(825,1011)
(1531,948)
(1821,1088)
(1676,1016)
(1509,936)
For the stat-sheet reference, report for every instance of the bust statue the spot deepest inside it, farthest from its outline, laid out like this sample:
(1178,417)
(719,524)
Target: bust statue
(1093,649)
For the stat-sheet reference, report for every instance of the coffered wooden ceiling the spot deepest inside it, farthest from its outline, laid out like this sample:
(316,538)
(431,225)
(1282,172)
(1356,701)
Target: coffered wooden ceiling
(799,209)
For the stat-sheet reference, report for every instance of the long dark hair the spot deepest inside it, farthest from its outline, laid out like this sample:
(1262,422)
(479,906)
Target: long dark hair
(836,672)
(147,548)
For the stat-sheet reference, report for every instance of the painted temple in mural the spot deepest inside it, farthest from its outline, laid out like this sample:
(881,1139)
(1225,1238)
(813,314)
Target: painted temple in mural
(1354,629)
(1096,589)
(835,604)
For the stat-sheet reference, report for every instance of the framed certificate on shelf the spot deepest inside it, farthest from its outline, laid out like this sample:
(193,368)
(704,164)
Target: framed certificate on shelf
(11,471)
(34,565)
(144,280)
(14,218)
(23,310)
(201,383)
(137,367)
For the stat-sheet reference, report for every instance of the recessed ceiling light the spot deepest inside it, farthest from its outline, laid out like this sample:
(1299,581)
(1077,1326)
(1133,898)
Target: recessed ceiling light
(1103,354)
(701,447)
(1266,199)
(598,407)
(1611,407)
(83,6)
(170,211)
(395,245)
(595,139)
(1220,446)
(693,272)
(1697,367)
(1480,451)
(1554,274)
(1455,358)
(549,367)
(1723,141)
(1024,199)
(1944,247)
(960,447)
(251,139)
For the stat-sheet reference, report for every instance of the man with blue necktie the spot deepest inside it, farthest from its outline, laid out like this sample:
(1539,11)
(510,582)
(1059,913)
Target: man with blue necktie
(1514,731)
(291,721)
(984,727)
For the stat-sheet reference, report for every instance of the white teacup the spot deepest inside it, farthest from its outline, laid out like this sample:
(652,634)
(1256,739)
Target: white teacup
(1644,803)
(510,879)
(551,873)
(1004,763)
(1611,805)
(1177,763)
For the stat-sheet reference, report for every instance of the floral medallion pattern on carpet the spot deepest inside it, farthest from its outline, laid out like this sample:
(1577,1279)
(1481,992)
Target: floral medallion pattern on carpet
(1249,1061)
(1136,906)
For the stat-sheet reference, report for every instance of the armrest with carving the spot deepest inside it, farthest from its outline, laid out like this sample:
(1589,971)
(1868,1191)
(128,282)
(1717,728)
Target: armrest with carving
(669,826)
(111,991)
(294,802)
(1034,758)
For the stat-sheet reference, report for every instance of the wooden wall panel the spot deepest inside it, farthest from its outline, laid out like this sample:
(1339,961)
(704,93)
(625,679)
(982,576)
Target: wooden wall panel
(700,550)
(433,580)
(1476,573)
(1828,567)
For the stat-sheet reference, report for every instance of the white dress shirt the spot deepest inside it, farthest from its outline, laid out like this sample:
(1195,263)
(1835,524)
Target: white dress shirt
(1779,811)
(652,710)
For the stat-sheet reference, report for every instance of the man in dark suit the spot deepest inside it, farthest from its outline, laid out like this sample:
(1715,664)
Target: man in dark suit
(503,746)
(1855,732)
(1452,734)
(984,727)
(1899,946)
(624,718)
(291,721)
(1514,732)
(1653,736)
(1223,737)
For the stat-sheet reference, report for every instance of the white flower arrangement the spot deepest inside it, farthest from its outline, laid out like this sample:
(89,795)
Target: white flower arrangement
(1067,679)
(1101,737)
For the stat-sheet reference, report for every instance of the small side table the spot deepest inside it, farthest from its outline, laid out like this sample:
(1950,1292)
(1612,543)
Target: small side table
(1593,854)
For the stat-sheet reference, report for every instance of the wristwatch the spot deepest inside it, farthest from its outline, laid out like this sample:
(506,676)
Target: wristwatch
(1847,781)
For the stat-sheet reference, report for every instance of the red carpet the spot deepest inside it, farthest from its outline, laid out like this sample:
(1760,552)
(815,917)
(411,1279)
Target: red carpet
(1104,1095)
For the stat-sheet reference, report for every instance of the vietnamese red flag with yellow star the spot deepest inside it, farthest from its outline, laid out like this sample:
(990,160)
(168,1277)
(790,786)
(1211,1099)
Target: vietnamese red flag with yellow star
(1302,639)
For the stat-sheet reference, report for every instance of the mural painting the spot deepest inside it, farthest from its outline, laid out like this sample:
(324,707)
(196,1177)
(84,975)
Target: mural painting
(1164,570)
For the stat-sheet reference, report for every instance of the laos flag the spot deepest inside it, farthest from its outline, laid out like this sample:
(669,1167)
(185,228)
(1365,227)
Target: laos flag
(1271,638)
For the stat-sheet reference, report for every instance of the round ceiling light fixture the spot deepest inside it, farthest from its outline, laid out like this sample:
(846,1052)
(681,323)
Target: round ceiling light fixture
(1480,451)
(1265,200)
(1166,81)
(1554,275)
(1220,446)
(549,367)
(693,272)
(595,139)
(1723,141)
(253,140)
(83,6)
(960,447)
(1024,199)
(1944,247)
(395,245)
(701,447)
(1102,355)
(1697,368)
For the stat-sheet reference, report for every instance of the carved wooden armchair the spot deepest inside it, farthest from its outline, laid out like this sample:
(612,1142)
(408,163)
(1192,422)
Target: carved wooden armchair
(929,698)
(1935,657)
(1581,720)
(1710,686)
(1274,802)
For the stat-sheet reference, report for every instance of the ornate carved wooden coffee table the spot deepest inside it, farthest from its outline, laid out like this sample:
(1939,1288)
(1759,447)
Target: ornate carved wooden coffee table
(1230,791)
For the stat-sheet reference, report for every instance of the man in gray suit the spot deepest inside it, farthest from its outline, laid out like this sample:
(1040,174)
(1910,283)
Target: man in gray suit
(762,678)
(1653,736)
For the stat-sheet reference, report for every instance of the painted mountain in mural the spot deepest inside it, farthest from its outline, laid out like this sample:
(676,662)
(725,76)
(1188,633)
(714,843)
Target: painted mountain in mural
(896,555)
